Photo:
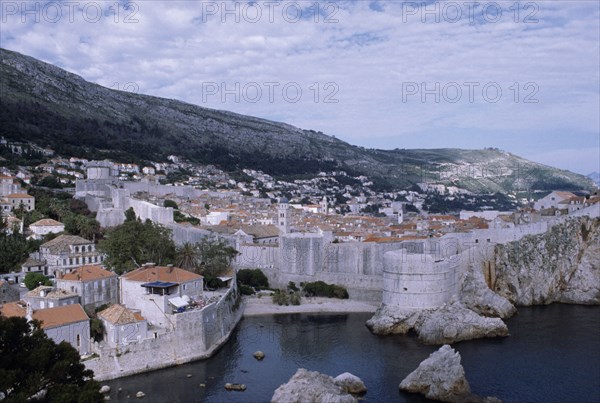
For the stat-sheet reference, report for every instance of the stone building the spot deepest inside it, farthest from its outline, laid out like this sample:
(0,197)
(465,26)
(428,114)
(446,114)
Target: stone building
(95,285)
(7,293)
(67,252)
(67,323)
(44,227)
(151,289)
(44,297)
(123,326)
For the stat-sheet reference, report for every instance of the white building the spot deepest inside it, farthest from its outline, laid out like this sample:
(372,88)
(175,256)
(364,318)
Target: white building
(552,200)
(44,227)
(95,285)
(150,289)
(44,297)
(67,252)
(123,326)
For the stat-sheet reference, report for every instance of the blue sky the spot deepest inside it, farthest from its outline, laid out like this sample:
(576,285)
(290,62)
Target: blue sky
(523,77)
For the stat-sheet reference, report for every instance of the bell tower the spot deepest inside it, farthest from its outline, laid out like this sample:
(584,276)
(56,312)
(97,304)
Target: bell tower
(283,215)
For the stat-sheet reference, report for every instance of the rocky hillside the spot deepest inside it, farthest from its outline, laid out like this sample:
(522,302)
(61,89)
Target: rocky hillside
(562,265)
(44,104)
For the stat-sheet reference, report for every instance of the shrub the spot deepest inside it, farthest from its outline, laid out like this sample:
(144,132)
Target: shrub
(322,289)
(245,290)
(280,298)
(213,282)
(292,286)
(253,278)
(295,298)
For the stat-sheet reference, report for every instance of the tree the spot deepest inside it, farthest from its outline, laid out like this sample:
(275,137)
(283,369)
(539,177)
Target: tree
(130,215)
(215,256)
(13,251)
(170,203)
(188,257)
(34,280)
(134,243)
(31,364)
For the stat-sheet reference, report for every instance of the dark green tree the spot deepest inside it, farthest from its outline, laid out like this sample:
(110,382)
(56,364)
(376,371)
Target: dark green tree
(170,203)
(215,256)
(31,365)
(188,257)
(13,251)
(34,280)
(134,243)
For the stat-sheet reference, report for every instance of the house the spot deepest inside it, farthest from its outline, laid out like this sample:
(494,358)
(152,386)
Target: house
(8,293)
(122,325)
(66,252)
(44,227)
(34,266)
(67,323)
(552,200)
(13,225)
(149,171)
(17,200)
(151,289)
(95,285)
(44,297)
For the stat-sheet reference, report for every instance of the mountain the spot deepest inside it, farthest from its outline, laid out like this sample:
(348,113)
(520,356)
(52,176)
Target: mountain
(595,176)
(49,106)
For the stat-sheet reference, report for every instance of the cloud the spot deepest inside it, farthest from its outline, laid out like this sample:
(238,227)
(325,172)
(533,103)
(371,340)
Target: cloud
(352,61)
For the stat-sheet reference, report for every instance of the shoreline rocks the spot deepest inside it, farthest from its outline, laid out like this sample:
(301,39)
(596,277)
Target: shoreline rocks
(442,377)
(447,324)
(259,355)
(311,386)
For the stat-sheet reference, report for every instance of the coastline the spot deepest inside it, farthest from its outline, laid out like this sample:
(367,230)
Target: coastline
(255,306)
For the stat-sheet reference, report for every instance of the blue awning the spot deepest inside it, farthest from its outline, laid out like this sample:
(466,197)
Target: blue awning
(159,284)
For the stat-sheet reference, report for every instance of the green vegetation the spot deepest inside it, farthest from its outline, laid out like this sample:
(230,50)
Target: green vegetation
(322,289)
(170,203)
(14,248)
(134,243)
(96,329)
(214,256)
(34,280)
(254,278)
(31,363)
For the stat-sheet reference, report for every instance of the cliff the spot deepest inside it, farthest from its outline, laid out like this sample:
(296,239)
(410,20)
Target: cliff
(561,265)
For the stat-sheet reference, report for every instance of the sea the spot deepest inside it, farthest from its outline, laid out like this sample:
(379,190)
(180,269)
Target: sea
(551,355)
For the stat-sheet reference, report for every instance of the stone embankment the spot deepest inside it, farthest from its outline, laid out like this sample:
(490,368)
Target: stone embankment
(311,386)
(442,377)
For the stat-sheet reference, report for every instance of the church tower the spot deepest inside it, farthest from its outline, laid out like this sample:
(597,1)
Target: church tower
(282,216)
(324,205)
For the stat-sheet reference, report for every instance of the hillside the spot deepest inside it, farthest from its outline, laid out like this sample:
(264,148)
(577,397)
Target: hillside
(44,104)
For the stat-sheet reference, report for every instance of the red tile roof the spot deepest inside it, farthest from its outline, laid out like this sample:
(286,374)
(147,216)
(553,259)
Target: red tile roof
(88,273)
(61,315)
(161,273)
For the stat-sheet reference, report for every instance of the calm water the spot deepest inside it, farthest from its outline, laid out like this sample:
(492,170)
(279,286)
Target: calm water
(552,355)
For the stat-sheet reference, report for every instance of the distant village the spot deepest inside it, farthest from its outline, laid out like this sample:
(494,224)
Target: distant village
(250,210)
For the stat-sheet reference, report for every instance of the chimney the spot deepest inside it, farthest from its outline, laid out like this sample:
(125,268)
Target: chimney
(170,268)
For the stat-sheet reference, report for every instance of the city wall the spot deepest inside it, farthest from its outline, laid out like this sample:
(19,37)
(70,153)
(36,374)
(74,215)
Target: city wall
(197,335)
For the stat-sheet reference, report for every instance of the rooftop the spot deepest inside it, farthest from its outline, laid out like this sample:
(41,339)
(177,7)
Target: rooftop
(62,242)
(119,315)
(151,274)
(14,309)
(61,315)
(46,222)
(88,273)
(49,292)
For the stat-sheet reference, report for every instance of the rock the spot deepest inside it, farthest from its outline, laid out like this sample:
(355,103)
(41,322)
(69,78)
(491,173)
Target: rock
(447,324)
(476,295)
(453,322)
(259,355)
(311,386)
(559,265)
(240,387)
(188,376)
(202,385)
(140,394)
(105,389)
(392,320)
(351,383)
(439,377)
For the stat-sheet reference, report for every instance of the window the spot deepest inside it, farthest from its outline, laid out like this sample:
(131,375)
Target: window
(78,341)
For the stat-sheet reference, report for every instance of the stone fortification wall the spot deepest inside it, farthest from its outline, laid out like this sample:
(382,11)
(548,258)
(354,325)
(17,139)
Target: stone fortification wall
(198,334)
(418,281)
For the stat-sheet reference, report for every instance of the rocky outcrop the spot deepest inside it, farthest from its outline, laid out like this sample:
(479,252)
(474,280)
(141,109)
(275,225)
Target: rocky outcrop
(442,377)
(453,322)
(311,386)
(476,295)
(448,324)
(561,265)
(351,383)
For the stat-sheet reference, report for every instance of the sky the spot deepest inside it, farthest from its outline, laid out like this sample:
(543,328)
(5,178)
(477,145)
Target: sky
(520,76)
